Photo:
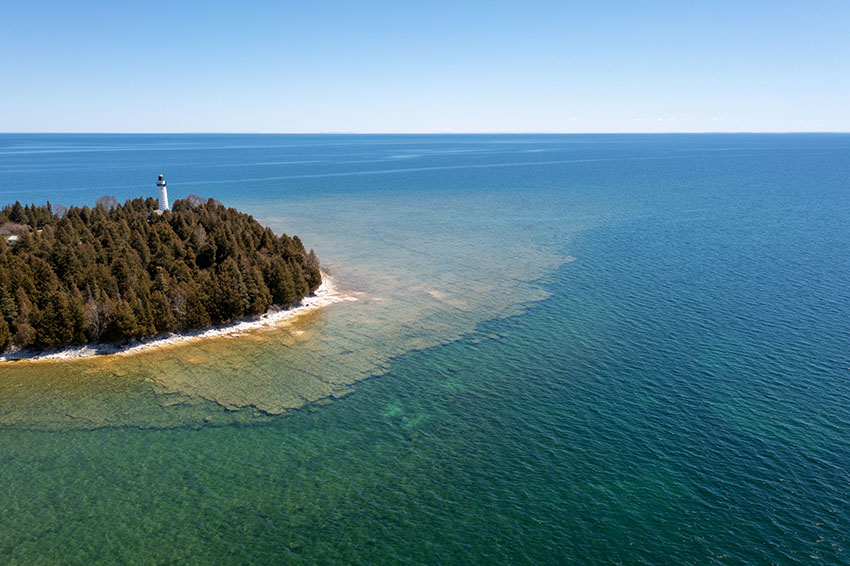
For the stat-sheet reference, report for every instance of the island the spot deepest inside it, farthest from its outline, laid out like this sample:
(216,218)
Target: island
(114,273)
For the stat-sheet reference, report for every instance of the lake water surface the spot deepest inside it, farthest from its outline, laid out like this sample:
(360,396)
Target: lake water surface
(582,349)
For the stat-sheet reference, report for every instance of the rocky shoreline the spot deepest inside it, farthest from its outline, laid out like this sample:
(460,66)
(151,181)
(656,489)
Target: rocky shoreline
(325,295)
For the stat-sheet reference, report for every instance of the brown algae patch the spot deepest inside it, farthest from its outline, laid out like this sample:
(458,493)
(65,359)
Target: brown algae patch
(236,374)
(199,378)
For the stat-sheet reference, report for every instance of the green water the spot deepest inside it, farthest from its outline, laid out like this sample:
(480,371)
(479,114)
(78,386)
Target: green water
(564,349)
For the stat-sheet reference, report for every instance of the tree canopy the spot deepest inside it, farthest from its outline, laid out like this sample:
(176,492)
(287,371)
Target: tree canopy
(116,272)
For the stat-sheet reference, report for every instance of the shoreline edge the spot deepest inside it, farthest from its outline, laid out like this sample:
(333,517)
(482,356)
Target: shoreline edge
(326,294)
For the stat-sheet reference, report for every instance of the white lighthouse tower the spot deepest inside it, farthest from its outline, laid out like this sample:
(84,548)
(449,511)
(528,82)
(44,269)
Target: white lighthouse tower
(163,194)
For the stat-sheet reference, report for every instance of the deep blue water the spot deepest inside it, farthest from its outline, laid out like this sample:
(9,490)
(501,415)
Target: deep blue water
(677,394)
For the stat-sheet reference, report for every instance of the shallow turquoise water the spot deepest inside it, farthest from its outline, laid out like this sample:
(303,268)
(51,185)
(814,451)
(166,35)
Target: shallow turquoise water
(678,394)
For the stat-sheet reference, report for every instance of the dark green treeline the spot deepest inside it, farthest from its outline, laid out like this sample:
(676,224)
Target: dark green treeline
(113,272)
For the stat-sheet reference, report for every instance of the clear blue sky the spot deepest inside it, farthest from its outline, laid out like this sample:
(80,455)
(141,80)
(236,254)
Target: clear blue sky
(425,66)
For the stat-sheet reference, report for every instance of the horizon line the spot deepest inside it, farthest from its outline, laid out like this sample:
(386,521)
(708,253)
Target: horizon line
(430,133)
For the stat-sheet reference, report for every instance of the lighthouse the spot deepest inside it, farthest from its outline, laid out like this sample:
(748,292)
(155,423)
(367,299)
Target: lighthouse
(163,194)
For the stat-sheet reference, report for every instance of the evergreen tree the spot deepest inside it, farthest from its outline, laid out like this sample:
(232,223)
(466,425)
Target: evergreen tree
(17,215)
(122,323)
(8,308)
(59,323)
(5,334)
(258,296)
(314,274)
(229,295)
(197,315)
(280,283)
(164,319)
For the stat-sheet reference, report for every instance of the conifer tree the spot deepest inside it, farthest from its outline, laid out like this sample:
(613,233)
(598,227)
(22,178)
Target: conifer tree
(5,334)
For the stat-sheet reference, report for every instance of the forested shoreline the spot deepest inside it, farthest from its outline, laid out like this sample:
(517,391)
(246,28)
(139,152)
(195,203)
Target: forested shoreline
(116,272)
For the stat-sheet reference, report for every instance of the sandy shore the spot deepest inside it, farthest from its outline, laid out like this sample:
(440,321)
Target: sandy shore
(325,295)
